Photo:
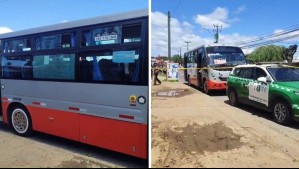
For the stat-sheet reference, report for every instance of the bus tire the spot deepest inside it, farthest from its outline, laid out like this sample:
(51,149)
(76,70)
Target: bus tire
(20,121)
(205,87)
(233,98)
(282,112)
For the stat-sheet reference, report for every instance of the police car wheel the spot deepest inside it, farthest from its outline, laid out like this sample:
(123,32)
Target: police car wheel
(282,112)
(233,98)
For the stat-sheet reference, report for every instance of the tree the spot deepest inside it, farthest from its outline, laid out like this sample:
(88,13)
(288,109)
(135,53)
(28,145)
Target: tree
(270,53)
(176,59)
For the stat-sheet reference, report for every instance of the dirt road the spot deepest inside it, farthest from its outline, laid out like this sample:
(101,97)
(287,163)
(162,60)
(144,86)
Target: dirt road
(43,151)
(191,129)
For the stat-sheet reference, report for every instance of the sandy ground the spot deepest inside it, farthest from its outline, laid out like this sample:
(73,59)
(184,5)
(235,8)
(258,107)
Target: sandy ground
(191,129)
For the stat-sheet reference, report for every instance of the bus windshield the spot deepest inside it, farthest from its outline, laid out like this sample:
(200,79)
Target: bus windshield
(225,56)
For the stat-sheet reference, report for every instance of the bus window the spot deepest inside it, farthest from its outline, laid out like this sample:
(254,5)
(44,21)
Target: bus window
(17,67)
(21,45)
(131,33)
(120,67)
(54,67)
(55,41)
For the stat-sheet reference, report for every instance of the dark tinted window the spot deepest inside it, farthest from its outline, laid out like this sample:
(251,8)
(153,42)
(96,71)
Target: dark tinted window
(246,73)
(284,74)
(101,36)
(112,35)
(259,73)
(21,45)
(119,66)
(17,67)
(55,41)
(131,33)
(237,71)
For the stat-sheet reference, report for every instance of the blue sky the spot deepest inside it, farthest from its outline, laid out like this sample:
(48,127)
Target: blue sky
(241,20)
(23,14)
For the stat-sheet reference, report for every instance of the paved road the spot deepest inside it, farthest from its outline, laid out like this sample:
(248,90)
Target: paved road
(42,150)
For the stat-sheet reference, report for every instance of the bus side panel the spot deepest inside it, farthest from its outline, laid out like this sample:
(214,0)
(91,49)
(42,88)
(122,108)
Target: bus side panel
(55,122)
(5,111)
(114,135)
(144,141)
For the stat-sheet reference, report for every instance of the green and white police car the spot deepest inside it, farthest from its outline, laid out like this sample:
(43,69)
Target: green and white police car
(271,87)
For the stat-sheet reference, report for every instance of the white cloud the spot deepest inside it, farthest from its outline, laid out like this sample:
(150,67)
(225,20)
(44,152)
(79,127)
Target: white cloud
(278,30)
(182,32)
(240,9)
(5,30)
(218,16)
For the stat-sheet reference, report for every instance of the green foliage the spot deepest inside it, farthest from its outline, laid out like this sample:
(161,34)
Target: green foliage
(176,59)
(270,53)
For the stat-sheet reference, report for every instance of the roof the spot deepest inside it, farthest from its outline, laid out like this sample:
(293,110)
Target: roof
(258,65)
(213,45)
(79,23)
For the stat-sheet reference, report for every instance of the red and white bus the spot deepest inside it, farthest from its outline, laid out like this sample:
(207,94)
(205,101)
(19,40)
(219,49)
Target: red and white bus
(84,80)
(208,66)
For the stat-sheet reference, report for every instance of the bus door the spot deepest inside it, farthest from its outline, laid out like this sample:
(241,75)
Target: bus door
(185,66)
(199,70)
(1,114)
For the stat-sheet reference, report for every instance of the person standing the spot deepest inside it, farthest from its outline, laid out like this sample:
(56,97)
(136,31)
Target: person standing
(156,74)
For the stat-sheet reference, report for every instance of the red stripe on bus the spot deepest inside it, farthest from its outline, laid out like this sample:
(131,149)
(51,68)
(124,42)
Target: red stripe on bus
(36,103)
(74,108)
(5,99)
(126,117)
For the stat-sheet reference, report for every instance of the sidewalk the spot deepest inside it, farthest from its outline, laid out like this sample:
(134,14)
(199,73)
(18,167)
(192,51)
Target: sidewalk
(195,130)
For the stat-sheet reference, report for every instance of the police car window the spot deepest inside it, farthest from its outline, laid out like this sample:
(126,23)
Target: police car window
(237,71)
(259,73)
(246,73)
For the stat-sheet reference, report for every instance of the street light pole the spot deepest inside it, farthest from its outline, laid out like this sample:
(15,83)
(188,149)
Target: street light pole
(187,45)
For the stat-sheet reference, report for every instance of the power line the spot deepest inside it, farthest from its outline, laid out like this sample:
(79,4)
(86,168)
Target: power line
(271,41)
(177,7)
(270,36)
(255,7)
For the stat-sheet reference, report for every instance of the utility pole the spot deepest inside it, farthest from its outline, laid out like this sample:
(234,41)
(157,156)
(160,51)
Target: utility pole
(181,54)
(217,30)
(187,44)
(169,37)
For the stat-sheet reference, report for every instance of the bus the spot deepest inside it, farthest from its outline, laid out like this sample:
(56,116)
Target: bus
(83,80)
(208,67)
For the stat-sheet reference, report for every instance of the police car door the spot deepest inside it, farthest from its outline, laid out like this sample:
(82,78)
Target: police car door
(259,91)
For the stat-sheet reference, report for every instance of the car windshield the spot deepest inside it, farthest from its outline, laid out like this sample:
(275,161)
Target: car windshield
(225,59)
(284,74)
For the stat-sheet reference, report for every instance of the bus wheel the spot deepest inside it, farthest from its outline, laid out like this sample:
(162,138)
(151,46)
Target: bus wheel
(205,87)
(21,121)
(282,112)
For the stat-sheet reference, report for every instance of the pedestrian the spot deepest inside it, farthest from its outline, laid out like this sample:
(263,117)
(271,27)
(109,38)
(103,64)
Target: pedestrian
(156,74)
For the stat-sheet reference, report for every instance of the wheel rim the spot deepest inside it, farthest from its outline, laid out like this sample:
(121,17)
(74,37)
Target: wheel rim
(280,111)
(19,121)
(232,98)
